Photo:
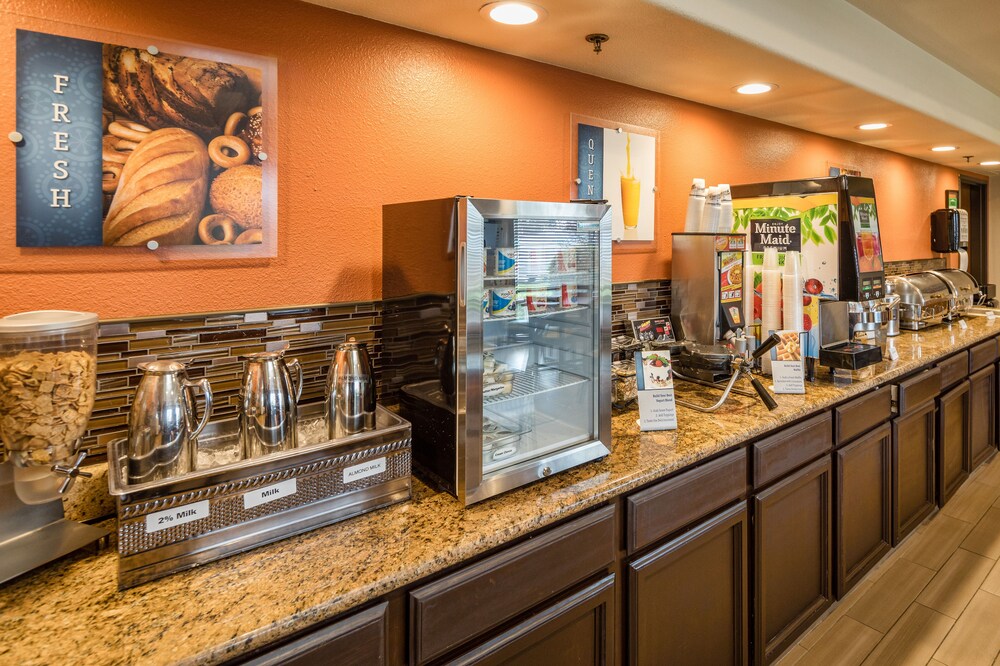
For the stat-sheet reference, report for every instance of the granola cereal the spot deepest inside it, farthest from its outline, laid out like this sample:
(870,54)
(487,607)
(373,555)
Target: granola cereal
(45,400)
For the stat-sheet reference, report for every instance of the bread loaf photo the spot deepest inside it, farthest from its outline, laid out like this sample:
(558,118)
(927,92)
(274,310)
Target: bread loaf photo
(161,191)
(236,193)
(165,90)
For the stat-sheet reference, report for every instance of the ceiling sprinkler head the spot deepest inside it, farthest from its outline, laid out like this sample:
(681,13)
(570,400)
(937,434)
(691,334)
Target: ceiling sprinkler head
(597,39)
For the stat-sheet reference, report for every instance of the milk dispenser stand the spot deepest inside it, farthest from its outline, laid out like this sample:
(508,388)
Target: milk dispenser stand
(833,223)
(48,376)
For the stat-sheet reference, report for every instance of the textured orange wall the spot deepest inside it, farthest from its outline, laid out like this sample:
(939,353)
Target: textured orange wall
(372,114)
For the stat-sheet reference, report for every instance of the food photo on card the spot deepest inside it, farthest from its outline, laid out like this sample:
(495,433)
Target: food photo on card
(787,369)
(655,384)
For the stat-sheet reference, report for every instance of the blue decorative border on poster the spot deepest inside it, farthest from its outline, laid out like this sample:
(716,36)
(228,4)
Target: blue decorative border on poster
(59,165)
(590,161)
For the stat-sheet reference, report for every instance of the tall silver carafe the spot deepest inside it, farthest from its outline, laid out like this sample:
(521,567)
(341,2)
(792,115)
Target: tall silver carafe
(350,389)
(163,425)
(268,403)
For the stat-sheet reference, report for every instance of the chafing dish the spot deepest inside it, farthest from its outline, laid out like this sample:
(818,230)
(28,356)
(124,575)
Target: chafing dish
(963,287)
(924,299)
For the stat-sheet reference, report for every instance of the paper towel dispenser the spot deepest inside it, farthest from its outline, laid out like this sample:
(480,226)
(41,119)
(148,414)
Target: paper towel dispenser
(949,230)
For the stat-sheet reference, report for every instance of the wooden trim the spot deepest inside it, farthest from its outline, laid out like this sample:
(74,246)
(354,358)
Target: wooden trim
(862,414)
(454,609)
(668,506)
(849,573)
(766,651)
(944,489)
(916,390)
(791,448)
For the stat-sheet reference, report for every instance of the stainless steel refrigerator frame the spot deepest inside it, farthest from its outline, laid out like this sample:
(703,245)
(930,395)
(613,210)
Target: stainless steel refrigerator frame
(470,215)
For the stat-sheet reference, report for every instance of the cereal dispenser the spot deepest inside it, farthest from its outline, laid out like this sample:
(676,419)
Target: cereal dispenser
(48,373)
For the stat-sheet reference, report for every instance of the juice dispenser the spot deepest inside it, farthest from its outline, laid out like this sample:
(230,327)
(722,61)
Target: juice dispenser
(833,222)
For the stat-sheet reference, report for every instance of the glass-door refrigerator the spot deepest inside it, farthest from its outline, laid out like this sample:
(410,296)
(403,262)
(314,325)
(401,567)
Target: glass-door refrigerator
(496,338)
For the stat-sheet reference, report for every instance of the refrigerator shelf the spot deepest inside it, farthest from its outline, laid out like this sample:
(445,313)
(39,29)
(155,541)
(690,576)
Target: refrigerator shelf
(551,279)
(524,315)
(536,381)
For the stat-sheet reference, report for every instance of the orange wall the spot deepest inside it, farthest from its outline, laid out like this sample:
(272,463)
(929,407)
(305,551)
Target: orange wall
(372,114)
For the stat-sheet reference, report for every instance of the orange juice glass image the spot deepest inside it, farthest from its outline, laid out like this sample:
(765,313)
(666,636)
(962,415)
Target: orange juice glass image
(866,241)
(630,190)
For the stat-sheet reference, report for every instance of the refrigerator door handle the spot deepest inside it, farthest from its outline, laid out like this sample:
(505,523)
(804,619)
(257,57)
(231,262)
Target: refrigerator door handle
(462,268)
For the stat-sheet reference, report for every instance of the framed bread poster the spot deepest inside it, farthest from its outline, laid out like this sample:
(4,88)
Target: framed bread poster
(168,147)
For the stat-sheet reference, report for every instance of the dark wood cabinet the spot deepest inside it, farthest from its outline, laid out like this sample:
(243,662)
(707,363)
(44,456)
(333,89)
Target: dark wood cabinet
(688,600)
(913,469)
(862,506)
(982,415)
(357,640)
(952,459)
(792,582)
(478,599)
(578,629)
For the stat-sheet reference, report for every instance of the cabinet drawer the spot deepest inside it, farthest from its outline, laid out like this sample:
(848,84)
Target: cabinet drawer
(954,369)
(577,630)
(916,390)
(982,355)
(468,603)
(358,640)
(791,448)
(862,414)
(690,496)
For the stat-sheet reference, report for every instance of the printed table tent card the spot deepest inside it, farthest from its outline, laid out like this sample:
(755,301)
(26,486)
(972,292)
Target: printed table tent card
(123,146)
(655,384)
(787,369)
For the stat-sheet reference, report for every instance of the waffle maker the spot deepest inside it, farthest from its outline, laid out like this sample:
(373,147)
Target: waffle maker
(720,366)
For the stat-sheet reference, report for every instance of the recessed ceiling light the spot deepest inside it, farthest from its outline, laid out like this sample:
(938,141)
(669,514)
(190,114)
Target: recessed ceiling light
(512,13)
(990,163)
(873,126)
(943,149)
(755,88)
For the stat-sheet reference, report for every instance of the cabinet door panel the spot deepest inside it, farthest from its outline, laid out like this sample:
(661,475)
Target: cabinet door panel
(982,426)
(862,503)
(576,630)
(913,474)
(953,463)
(792,558)
(688,598)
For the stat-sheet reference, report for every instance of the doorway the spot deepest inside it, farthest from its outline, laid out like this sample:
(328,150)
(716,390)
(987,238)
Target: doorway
(972,198)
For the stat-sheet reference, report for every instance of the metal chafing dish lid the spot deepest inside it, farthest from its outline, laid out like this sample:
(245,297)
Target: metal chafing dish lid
(918,288)
(961,283)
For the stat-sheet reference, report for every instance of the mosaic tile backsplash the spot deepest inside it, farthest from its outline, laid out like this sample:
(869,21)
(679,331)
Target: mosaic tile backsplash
(914,265)
(212,345)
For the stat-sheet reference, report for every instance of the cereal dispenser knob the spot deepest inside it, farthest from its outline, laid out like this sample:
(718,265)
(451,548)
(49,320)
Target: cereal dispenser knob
(71,472)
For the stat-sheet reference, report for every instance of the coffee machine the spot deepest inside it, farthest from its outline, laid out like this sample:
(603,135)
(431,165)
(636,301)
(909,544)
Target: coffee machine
(833,222)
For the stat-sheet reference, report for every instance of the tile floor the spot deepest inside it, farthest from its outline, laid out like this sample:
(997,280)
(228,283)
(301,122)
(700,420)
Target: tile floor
(934,600)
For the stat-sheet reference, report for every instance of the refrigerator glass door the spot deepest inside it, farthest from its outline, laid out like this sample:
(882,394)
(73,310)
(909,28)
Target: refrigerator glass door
(538,369)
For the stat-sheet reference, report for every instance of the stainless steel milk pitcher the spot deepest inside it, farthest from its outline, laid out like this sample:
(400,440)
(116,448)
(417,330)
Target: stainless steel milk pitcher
(163,426)
(268,399)
(350,390)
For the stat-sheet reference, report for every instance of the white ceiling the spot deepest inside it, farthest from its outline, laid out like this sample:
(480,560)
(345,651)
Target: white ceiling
(928,67)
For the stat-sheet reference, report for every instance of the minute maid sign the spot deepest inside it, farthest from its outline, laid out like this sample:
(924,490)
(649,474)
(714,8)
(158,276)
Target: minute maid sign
(783,234)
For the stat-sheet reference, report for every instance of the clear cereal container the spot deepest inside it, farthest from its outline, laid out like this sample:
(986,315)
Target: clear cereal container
(48,377)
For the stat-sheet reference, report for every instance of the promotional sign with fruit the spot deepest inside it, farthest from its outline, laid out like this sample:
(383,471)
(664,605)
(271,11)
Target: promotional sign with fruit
(126,146)
(807,223)
(655,384)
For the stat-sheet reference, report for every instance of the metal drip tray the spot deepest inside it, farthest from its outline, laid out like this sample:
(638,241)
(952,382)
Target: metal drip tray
(229,505)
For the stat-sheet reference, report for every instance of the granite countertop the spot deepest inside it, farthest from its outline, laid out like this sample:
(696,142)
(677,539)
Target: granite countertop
(72,612)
